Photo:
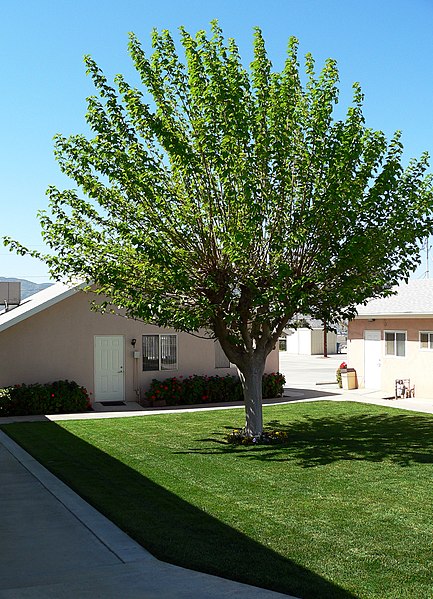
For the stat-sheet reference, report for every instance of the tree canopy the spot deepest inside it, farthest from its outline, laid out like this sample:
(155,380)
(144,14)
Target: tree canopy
(230,199)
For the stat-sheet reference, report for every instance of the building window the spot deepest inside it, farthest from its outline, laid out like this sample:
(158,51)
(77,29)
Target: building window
(426,340)
(221,360)
(159,352)
(282,343)
(395,343)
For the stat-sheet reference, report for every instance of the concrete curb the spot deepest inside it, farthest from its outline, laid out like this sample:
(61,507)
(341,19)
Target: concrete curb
(118,542)
(133,573)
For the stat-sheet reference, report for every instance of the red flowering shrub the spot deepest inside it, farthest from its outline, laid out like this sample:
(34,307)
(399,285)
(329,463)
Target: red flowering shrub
(273,385)
(60,397)
(197,389)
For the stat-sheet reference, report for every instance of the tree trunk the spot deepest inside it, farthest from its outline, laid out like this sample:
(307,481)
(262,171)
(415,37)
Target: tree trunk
(251,377)
(325,340)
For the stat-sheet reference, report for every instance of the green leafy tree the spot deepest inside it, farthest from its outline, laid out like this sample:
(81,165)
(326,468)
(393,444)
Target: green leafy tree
(229,199)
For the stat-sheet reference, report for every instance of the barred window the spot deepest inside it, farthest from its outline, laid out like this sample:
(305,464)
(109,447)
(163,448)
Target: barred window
(159,352)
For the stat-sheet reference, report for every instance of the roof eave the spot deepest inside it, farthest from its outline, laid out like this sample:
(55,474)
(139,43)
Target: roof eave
(393,315)
(21,316)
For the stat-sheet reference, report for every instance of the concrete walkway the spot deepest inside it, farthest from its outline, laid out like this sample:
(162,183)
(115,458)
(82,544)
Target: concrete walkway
(333,393)
(322,392)
(53,545)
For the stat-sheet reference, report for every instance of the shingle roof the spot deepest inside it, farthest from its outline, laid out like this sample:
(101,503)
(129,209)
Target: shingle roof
(414,298)
(36,303)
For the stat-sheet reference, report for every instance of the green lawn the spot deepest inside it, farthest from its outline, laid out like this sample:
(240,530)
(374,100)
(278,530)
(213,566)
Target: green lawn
(345,511)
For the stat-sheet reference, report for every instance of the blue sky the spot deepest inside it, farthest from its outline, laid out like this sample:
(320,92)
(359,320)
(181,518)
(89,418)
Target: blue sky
(386,45)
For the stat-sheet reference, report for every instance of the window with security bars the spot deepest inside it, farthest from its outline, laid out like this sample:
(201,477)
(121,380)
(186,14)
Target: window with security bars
(159,352)
(426,340)
(395,343)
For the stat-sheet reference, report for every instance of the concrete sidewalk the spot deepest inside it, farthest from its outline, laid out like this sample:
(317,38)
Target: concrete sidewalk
(414,404)
(321,392)
(56,546)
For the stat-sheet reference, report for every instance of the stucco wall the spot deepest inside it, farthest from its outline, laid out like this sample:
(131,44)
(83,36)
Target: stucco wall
(58,343)
(417,365)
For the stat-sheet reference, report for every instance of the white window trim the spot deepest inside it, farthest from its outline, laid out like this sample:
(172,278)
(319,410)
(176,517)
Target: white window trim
(394,356)
(429,333)
(176,366)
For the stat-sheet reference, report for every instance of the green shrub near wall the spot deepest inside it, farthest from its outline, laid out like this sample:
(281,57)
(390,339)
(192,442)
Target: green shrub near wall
(60,397)
(197,389)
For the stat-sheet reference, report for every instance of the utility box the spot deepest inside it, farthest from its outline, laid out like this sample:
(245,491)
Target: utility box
(10,293)
(348,379)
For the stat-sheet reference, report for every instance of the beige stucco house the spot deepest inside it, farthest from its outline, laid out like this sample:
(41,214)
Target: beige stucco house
(392,339)
(55,335)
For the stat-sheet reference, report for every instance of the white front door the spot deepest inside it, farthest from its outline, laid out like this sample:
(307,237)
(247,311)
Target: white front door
(109,368)
(372,359)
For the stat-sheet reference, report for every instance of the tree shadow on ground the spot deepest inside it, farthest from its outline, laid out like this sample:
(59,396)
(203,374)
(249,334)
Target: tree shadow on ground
(296,394)
(403,439)
(172,529)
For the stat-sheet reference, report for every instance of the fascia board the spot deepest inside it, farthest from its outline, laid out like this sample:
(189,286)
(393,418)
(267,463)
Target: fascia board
(393,315)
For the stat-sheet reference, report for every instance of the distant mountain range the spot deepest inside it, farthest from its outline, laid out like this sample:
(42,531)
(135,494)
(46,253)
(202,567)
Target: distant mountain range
(27,287)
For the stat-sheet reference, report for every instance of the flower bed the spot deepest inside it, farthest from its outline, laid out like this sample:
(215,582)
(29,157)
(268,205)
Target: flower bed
(59,397)
(238,436)
(197,389)
(343,366)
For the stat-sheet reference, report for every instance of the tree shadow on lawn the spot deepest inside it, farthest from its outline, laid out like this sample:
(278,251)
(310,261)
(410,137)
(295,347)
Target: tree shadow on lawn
(403,439)
(172,529)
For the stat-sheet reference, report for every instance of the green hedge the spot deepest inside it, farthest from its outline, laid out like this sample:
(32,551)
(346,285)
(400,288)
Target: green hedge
(60,397)
(208,389)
